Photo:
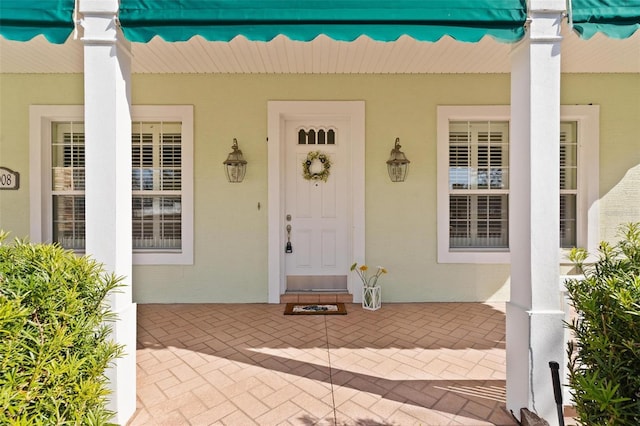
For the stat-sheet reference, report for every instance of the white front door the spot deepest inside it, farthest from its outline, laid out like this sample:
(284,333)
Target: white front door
(326,218)
(316,222)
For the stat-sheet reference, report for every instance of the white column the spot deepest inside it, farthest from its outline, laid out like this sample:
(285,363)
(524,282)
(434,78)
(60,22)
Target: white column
(535,333)
(107,78)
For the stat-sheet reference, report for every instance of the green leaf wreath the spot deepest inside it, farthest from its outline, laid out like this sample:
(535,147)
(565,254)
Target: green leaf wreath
(326,165)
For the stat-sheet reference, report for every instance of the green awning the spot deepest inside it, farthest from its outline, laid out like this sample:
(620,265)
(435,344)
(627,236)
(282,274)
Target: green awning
(22,20)
(304,20)
(614,18)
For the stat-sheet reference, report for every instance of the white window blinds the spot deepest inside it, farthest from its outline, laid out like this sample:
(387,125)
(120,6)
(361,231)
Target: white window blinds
(568,184)
(67,184)
(478,184)
(156,151)
(156,184)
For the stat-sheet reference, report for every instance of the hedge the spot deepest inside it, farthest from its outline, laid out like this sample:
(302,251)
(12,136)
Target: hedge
(604,358)
(54,336)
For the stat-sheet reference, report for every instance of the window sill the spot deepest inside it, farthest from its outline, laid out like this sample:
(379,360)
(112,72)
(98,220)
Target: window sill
(498,257)
(468,256)
(163,257)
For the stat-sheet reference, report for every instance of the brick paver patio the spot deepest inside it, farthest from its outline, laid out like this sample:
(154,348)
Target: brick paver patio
(248,364)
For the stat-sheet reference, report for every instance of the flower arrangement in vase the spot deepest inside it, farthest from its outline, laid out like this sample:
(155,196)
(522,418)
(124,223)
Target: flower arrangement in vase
(371,292)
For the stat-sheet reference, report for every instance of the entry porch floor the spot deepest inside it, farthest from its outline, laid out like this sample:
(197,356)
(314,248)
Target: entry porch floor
(248,364)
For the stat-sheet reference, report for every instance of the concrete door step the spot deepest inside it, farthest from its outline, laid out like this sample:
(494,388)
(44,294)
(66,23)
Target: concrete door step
(316,297)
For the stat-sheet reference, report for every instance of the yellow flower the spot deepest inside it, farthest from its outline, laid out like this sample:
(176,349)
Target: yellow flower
(372,280)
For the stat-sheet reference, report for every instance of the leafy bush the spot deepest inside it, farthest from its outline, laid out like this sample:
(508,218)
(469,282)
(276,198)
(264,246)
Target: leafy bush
(604,361)
(54,339)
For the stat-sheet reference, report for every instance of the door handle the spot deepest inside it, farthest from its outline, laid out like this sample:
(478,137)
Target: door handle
(288,248)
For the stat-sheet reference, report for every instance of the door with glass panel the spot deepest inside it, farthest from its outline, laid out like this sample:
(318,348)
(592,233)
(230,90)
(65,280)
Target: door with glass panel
(316,222)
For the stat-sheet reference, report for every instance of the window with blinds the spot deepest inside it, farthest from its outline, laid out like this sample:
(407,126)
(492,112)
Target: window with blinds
(156,151)
(568,184)
(67,184)
(478,185)
(474,185)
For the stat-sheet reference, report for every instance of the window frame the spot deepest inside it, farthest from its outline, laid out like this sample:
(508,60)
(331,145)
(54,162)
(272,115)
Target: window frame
(41,118)
(587,118)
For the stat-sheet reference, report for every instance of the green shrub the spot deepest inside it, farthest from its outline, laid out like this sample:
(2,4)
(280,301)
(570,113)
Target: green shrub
(604,361)
(54,337)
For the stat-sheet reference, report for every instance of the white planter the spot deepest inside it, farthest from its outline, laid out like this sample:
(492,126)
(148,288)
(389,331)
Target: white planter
(371,298)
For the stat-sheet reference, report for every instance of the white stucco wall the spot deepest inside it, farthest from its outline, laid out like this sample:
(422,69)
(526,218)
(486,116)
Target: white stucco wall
(231,232)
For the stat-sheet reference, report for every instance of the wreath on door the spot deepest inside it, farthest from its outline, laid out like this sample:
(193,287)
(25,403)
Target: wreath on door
(323,159)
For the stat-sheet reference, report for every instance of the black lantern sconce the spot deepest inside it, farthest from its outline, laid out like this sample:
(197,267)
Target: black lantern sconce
(397,164)
(235,165)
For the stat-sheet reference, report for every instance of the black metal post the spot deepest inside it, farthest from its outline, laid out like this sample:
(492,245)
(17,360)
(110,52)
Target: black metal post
(557,390)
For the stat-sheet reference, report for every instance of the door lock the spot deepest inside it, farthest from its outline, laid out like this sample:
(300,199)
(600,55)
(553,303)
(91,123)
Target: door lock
(288,247)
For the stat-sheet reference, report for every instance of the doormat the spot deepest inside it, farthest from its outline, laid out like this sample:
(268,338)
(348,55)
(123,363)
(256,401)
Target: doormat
(315,309)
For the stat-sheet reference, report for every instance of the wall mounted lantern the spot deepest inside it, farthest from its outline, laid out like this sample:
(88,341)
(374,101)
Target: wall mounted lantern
(235,165)
(397,164)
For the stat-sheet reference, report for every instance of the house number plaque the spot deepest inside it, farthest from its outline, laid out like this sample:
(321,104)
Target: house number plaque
(9,179)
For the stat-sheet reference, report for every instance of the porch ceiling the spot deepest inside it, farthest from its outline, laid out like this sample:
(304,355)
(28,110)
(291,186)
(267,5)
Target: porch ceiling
(323,56)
